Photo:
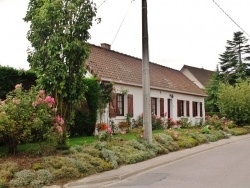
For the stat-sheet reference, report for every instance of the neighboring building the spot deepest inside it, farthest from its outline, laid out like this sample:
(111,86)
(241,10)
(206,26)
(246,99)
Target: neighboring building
(172,93)
(199,76)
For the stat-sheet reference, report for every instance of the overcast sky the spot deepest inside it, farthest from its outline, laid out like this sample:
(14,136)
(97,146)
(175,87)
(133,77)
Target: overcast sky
(191,32)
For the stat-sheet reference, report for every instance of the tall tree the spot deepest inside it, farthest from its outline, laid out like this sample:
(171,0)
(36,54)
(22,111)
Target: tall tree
(212,89)
(58,35)
(235,61)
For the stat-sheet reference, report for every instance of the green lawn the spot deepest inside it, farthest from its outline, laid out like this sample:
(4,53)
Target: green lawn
(73,141)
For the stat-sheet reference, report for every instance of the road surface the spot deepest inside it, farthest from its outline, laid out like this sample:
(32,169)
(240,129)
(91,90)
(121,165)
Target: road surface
(227,166)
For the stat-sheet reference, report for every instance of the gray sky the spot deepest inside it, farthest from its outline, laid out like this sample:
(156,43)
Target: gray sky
(191,32)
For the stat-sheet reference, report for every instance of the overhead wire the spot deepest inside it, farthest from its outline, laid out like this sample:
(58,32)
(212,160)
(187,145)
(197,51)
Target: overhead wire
(230,18)
(101,4)
(122,22)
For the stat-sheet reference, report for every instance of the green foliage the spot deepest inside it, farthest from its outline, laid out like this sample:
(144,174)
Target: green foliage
(86,112)
(214,122)
(238,131)
(85,160)
(184,123)
(235,60)
(27,116)
(212,92)
(3,183)
(157,122)
(167,141)
(105,98)
(7,171)
(219,114)
(22,178)
(58,35)
(9,77)
(234,101)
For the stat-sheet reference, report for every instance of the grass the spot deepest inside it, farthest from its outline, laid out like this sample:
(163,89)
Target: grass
(86,140)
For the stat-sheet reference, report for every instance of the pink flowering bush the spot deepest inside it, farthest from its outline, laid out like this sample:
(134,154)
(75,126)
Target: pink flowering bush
(157,122)
(29,117)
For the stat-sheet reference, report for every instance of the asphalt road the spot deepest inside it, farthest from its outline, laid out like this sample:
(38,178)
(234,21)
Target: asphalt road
(227,166)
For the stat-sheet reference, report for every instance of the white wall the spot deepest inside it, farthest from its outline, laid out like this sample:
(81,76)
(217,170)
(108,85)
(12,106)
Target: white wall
(138,102)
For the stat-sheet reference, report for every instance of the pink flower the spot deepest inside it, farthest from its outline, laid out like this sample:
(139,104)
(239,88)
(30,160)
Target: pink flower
(59,129)
(109,130)
(50,100)
(42,93)
(39,100)
(59,120)
(18,86)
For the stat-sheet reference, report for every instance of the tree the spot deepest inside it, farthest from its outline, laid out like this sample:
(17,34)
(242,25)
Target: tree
(212,92)
(235,61)
(58,35)
(234,101)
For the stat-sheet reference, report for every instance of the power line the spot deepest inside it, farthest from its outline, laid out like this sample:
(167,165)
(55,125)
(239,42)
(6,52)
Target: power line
(101,4)
(122,22)
(231,18)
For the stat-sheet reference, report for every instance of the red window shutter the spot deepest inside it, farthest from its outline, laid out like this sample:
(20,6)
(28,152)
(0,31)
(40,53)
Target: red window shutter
(162,107)
(130,105)
(112,107)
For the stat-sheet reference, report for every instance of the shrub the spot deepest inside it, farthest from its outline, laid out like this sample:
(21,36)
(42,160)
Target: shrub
(214,121)
(234,101)
(7,170)
(28,116)
(3,183)
(110,156)
(167,141)
(157,122)
(239,131)
(43,177)
(187,142)
(23,178)
(184,123)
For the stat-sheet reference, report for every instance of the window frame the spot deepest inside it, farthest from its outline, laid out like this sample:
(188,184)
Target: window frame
(154,105)
(119,104)
(180,108)
(195,108)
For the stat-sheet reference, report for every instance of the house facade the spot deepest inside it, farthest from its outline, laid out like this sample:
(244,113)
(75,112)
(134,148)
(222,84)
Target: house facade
(173,95)
(199,76)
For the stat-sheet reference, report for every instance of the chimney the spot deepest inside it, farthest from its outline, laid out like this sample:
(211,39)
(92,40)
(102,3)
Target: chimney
(106,46)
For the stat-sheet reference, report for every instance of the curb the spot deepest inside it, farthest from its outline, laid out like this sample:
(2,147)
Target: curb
(123,172)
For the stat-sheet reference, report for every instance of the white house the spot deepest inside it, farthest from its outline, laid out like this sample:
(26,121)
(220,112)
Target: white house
(172,93)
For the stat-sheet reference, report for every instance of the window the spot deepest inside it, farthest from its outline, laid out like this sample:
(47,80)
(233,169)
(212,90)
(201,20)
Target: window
(187,108)
(120,104)
(154,106)
(180,108)
(195,109)
(201,109)
(162,107)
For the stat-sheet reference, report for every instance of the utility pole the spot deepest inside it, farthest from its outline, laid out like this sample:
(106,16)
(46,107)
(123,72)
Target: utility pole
(147,119)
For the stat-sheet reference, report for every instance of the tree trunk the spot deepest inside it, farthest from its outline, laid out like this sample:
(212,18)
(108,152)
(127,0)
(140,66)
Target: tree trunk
(11,145)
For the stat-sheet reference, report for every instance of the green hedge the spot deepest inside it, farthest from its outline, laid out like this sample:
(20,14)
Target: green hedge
(9,77)
(86,113)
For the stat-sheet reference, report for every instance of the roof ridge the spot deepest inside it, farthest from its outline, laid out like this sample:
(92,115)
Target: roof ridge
(132,57)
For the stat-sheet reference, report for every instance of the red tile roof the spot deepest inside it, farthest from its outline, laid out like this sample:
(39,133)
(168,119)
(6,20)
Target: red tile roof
(120,68)
(202,75)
